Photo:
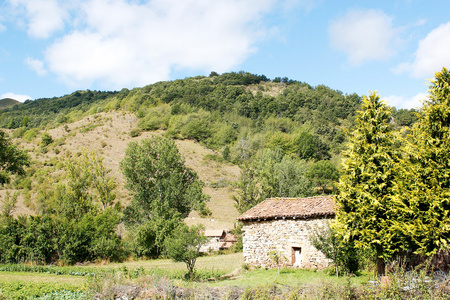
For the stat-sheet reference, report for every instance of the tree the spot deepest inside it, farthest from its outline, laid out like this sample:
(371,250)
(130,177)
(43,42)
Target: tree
(88,185)
(184,245)
(102,182)
(328,241)
(366,211)
(162,184)
(8,205)
(12,159)
(46,139)
(424,183)
(272,174)
(323,173)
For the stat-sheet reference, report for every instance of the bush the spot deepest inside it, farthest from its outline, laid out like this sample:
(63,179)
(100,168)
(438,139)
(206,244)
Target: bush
(46,139)
(135,132)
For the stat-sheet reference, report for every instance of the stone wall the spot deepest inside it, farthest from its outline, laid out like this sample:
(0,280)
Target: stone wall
(289,238)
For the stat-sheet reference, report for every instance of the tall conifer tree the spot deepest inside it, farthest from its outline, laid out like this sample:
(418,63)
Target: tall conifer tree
(424,183)
(365,212)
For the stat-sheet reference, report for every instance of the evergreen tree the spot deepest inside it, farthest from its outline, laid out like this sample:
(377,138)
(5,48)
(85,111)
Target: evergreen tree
(425,182)
(366,214)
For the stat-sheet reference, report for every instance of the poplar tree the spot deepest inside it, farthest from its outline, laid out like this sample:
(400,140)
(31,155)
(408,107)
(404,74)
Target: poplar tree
(424,183)
(366,214)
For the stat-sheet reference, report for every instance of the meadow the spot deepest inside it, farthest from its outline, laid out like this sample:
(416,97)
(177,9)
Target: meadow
(222,274)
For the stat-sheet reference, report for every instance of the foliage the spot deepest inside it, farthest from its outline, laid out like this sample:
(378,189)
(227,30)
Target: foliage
(12,159)
(277,258)
(8,205)
(163,186)
(424,178)
(331,244)
(323,173)
(272,174)
(405,117)
(147,239)
(46,238)
(41,112)
(184,245)
(86,186)
(366,212)
(46,139)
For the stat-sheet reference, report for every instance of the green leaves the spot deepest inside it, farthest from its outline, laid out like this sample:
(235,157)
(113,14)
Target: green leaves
(184,245)
(12,159)
(163,186)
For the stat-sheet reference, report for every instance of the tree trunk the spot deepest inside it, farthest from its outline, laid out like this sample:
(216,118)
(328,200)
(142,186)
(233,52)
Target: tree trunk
(380,262)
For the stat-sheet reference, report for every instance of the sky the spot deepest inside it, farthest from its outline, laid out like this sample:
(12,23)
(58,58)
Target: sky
(50,48)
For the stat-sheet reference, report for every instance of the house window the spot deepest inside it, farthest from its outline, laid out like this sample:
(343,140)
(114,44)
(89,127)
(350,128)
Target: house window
(297,256)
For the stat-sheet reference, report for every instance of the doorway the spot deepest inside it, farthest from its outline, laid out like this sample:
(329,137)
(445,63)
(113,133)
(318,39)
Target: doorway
(297,256)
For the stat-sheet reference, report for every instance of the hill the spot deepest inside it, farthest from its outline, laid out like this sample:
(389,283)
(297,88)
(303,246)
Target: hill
(220,123)
(8,102)
(109,133)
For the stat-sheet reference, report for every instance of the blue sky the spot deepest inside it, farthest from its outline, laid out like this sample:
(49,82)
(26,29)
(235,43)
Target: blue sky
(53,47)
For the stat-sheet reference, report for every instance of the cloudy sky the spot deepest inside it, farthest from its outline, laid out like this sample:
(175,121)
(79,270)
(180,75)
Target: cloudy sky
(53,47)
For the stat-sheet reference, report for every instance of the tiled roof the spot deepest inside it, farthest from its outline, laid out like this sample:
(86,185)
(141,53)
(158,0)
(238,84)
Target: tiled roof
(302,208)
(214,232)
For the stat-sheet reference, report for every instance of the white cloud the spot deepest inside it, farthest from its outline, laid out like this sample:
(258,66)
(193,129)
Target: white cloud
(2,27)
(432,54)
(121,43)
(45,17)
(20,98)
(364,35)
(405,102)
(36,65)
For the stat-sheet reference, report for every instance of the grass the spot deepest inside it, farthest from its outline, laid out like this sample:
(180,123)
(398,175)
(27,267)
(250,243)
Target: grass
(222,263)
(22,285)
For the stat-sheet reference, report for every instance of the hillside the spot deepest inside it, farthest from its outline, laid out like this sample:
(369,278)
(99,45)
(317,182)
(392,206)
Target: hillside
(8,102)
(220,123)
(109,134)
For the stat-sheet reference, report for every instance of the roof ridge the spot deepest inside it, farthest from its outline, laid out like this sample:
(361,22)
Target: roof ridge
(291,207)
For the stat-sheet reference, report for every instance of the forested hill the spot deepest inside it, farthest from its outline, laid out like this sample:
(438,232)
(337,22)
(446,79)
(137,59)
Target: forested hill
(240,110)
(8,102)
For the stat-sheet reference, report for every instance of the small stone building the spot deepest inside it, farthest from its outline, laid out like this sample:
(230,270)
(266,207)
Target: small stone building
(284,226)
(219,239)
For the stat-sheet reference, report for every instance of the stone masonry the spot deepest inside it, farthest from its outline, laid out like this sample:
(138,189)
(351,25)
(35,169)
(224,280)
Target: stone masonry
(283,227)
(285,236)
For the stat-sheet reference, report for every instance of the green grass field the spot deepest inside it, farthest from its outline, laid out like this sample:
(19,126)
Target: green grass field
(20,285)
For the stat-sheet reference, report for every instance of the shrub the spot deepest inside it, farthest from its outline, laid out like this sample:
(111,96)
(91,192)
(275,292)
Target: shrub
(135,132)
(46,139)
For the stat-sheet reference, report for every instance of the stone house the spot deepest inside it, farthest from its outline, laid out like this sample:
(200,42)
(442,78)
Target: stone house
(219,239)
(284,226)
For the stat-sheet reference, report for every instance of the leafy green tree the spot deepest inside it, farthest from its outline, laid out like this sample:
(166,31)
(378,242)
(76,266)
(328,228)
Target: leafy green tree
(12,159)
(163,186)
(102,183)
(147,239)
(272,174)
(184,245)
(366,212)
(323,173)
(25,121)
(248,194)
(425,176)
(87,185)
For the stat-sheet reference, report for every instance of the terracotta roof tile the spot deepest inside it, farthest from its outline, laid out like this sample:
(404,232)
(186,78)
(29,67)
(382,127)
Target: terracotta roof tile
(310,207)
